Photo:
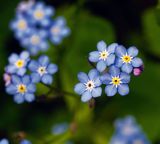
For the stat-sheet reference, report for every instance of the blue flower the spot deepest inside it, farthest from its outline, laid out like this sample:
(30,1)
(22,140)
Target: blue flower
(40,14)
(20,26)
(58,30)
(24,141)
(104,56)
(35,41)
(42,70)
(17,63)
(89,85)
(127,59)
(116,81)
(22,88)
(4,141)
(139,139)
(117,139)
(60,128)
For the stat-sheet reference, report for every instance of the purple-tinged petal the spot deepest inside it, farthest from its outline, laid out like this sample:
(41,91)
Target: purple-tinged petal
(125,78)
(127,68)
(83,78)
(110,90)
(94,56)
(137,62)
(133,51)
(101,66)
(120,51)
(101,46)
(123,89)
(79,88)
(86,96)
(96,92)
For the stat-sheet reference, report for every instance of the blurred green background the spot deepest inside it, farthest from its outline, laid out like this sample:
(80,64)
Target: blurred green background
(128,22)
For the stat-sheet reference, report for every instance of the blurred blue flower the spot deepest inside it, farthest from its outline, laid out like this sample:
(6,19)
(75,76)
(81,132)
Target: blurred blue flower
(22,88)
(40,14)
(60,128)
(4,141)
(116,81)
(35,41)
(58,30)
(104,56)
(24,141)
(20,26)
(139,139)
(42,70)
(89,85)
(127,59)
(17,63)
(117,139)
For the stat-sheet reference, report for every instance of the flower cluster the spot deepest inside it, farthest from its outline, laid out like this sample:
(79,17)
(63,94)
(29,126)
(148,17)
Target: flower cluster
(22,74)
(128,132)
(114,65)
(33,26)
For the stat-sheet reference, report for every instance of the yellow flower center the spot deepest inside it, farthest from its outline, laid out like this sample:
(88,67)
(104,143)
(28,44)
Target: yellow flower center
(35,39)
(21,88)
(55,30)
(42,70)
(126,59)
(90,85)
(103,55)
(19,63)
(116,81)
(39,14)
(22,25)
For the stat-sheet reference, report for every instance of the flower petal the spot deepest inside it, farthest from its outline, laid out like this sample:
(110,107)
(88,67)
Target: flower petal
(101,66)
(112,47)
(125,78)
(110,60)
(21,71)
(127,68)
(101,46)
(31,88)
(24,55)
(16,79)
(96,92)
(110,90)
(33,66)
(79,88)
(29,97)
(26,79)
(133,51)
(35,77)
(52,68)
(114,71)
(86,96)
(118,62)
(93,74)
(13,58)
(11,89)
(106,78)
(94,56)
(137,62)
(83,78)
(123,89)
(19,98)
(120,51)
(47,79)
(43,60)
(97,82)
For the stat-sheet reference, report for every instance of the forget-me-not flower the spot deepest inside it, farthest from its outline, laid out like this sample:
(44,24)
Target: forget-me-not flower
(104,56)
(35,41)
(89,85)
(22,88)
(127,59)
(58,30)
(17,63)
(40,14)
(42,70)
(116,81)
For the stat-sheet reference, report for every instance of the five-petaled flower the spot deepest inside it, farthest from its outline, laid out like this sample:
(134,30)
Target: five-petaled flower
(17,63)
(89,85)
(127,59)
(58,30)
(40,14)
(22,88)
(105,56)
(42,70)
(116,81)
